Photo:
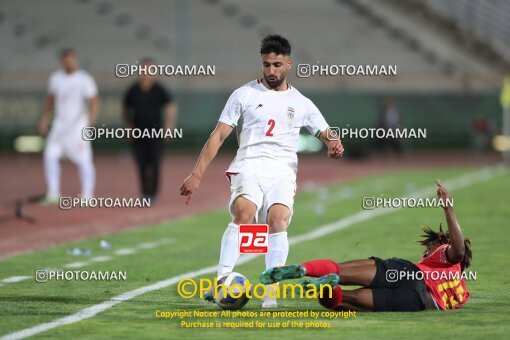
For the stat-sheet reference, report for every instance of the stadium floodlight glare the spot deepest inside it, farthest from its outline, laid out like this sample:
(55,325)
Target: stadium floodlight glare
(29,144)
(501,143)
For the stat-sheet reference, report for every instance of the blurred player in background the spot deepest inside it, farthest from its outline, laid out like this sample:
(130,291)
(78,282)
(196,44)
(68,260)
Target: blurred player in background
(393,284)
(268,114)
(72,94)
(148,105)
(389,118)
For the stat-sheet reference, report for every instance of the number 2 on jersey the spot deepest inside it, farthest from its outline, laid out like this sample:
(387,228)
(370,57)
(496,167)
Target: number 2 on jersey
(271,124)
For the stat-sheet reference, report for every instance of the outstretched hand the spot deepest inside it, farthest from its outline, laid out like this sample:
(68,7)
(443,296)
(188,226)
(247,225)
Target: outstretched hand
(443,194)
(189,186)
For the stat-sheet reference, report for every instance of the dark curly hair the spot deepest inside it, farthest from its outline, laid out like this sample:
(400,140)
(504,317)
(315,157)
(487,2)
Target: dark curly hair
(275,43)
(443,238)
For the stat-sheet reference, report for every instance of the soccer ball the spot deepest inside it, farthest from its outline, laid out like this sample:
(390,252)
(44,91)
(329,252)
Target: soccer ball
(231,291)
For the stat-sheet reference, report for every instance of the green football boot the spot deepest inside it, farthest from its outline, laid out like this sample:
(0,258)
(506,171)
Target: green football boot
(277,274)
(329,279)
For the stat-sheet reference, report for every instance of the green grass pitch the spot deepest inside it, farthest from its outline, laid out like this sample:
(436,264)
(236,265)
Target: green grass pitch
(193,243)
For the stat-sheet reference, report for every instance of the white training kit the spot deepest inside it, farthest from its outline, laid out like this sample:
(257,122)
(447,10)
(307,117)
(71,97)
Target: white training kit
(71,92)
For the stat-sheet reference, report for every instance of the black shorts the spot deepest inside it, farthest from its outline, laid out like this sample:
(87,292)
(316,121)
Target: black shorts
(392,294)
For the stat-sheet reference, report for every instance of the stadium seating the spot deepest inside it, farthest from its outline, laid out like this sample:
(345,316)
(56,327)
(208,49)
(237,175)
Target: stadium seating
(108,32)
(487,20)
(227,34)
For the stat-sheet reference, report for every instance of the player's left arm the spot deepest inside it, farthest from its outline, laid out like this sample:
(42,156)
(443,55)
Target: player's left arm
(170,109)
(315,122)
(456,249)
(171,115)
(335,147)
(93,109)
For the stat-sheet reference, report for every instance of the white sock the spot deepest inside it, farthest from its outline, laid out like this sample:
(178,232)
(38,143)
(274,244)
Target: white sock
(278,250)
(270,289)
(52,174)
(87,178)
(229,249)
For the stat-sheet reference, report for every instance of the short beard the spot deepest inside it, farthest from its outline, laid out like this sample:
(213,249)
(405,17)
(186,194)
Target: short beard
(274,84)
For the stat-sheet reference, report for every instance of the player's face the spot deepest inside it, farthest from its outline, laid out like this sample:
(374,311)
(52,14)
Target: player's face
(275,68)
(69,62)
(431,248)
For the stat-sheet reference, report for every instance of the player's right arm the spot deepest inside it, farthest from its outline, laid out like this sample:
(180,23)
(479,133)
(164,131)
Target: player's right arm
(44,122)
(455,251)
(209,151)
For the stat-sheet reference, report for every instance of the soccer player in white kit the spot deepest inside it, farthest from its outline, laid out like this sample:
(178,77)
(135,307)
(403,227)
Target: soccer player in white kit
(268,114)
(72,93)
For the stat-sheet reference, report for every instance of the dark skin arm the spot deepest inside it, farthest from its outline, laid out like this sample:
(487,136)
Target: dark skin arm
(456,249)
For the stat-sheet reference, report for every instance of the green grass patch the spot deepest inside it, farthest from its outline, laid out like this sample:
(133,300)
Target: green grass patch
(482,210)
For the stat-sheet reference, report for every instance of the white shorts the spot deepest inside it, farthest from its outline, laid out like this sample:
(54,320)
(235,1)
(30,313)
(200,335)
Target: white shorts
(69,144)
(262,191)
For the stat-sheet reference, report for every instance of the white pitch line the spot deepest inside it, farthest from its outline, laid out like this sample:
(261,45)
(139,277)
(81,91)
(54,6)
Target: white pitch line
(125,251)
(15,279)
(457,183)
(119,252)
(151,245)
(76,264)
(148,245)
(101,259)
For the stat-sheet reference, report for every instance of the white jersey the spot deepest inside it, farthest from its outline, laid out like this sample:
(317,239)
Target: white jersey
(71,92)
(268,124)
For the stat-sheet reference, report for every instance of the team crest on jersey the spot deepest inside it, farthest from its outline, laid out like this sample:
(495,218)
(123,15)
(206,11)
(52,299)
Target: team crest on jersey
(290,112)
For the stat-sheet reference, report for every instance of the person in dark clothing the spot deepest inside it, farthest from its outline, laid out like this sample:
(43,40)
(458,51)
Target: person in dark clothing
(389,119)
(148,106)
